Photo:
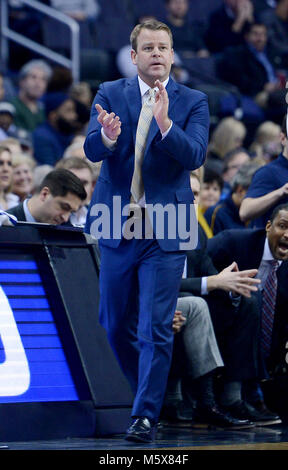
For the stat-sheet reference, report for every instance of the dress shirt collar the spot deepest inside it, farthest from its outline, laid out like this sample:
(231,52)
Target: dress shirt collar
(144,87)
(28,215)
(267,255)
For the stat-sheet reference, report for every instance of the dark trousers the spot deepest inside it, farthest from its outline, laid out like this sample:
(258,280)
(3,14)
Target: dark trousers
(237,331)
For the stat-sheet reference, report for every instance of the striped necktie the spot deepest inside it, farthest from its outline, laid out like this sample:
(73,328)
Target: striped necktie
(268,306)
(145,118)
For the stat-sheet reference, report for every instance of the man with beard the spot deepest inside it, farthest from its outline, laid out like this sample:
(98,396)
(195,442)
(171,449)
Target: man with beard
(51,138)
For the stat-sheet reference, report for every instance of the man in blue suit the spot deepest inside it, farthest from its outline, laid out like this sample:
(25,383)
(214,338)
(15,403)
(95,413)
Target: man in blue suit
(141,268)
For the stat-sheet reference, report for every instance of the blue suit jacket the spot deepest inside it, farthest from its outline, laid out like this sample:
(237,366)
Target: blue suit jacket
(166,163)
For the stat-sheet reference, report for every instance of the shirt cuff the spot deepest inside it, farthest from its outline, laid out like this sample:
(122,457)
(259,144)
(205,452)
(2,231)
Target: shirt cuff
(166,132)
(110,144)
(204,290)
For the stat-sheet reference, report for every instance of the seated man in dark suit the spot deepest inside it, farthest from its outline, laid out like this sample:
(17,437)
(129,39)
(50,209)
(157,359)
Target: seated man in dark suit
(60,193)
(249,68)
(236,325)
(265,250)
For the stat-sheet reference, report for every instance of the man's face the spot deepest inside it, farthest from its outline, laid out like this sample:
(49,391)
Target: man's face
(233,166)
(34,84)
(6,119)
(154,56)
(56,209)
(277,234)
(257,37)
(67,117)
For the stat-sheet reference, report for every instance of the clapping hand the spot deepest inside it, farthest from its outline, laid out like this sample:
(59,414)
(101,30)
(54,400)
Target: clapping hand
(160,108)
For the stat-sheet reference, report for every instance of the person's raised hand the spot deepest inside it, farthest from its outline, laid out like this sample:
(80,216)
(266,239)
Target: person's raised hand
(160,108)
(110,122)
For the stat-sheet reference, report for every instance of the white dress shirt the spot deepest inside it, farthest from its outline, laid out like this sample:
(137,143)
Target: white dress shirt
(111,144)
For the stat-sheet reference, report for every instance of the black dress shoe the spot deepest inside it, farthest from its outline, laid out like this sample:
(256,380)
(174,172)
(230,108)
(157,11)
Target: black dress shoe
(212,415)
(141,430)
(261,417)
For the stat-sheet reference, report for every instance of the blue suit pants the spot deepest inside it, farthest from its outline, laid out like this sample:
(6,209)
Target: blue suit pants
(139,285)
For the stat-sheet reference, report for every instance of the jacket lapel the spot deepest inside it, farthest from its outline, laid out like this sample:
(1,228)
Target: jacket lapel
(133,100)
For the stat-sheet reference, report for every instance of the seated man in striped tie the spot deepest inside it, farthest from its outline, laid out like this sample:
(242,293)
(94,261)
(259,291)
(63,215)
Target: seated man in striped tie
(265,250)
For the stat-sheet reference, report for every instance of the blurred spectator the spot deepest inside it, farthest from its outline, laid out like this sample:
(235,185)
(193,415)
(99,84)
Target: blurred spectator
(211,189)
(22,180)
(266,145)
(276,21)
(51,138)
(228,135)
(84,171)
(225,214)
(248,67)
(226,24)
(33,80)
(12,144)
(40,171)
(7,113)
(82,93)
(61,80)
(7,199)
(75,149)
(195,184)
(269,187)
(187,35)
(263,5)
(59,194)
(233,160)
(79,10)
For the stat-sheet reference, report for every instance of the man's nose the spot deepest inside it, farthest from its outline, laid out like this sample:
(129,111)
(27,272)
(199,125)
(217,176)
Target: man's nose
(156,51)
(65,216)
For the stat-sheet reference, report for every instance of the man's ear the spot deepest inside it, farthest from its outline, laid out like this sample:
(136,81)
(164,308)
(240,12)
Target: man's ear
(268,226)
(134,57)
(44,193)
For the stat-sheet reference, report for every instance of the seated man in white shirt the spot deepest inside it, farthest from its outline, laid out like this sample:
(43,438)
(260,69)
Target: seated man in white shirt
(60,194)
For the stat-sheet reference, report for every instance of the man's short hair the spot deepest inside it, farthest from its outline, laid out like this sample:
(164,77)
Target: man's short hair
(277,209)
(153,25)
(62,181)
